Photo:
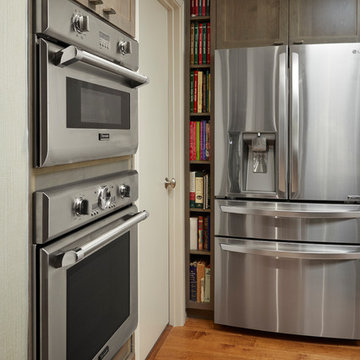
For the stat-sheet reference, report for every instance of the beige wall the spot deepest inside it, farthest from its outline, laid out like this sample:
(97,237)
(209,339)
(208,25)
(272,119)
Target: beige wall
(14,246)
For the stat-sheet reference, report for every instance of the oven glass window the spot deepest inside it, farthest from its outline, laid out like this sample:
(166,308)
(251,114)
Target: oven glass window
(96,107)
(98,298)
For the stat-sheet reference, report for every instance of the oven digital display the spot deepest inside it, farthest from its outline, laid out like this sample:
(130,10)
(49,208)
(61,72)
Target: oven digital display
(98,299)
(96,107)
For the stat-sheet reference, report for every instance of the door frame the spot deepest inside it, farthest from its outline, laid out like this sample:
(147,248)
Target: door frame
(175,9)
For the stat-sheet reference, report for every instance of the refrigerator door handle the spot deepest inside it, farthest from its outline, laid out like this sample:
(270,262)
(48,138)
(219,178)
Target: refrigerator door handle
(293,254)
(295,132)
(278,210)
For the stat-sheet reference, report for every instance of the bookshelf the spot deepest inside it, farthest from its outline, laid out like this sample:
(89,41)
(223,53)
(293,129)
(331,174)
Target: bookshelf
(199,164)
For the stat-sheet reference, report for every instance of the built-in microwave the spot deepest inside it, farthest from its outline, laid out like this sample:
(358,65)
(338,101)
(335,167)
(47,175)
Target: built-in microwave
(87,106)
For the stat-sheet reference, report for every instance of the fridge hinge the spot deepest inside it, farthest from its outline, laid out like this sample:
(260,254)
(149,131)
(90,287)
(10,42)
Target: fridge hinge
(353,199)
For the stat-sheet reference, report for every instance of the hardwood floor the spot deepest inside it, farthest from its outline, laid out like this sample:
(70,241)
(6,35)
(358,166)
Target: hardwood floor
(203,340)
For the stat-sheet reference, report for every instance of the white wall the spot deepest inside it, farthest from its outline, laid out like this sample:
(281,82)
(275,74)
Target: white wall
(14,210)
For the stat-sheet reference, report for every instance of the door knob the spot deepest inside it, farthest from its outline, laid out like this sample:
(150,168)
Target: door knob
(171,182)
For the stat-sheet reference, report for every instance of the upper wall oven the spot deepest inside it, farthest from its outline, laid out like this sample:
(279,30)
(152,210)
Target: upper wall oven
(85,87)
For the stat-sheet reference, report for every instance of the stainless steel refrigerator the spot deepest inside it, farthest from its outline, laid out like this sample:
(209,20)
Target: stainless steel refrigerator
(287,186)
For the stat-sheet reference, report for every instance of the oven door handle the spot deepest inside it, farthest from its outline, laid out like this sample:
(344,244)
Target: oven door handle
(72,54)
(71,257)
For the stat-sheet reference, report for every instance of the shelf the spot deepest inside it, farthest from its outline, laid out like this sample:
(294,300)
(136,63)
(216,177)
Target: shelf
(200,66)
(199,306)
(200,210)
(199,162)
(199,114)
(200,252)
(199,18)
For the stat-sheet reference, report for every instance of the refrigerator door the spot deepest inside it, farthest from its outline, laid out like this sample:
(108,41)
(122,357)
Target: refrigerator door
(325,122)
(251,122)
(306,289)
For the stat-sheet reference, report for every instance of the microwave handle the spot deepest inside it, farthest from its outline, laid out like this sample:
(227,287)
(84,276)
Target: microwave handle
(71,257)
(72,54)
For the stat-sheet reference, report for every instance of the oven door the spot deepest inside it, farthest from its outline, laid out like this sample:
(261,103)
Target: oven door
(87,106)
(87,290)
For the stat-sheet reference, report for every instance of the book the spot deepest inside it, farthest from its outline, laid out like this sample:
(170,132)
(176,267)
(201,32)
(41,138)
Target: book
(191,91)
(193,233)
(195,91)
(196,10)
(208,43)
(199,190)
(202,289)
(200,238)
(204,91)
(204,43)
(192,189)
(192,35)
(197,140)
(200,272)
(204,140)
(206,232)
(200,43)
(207,142)
(205,192)
(196,43)
(207,11)
(193,281)
(199,97)
(192,8)
(207,284)
(203,8)
(199,8)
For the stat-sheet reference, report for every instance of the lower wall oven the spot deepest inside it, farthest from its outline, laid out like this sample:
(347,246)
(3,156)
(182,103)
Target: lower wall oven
(87,297)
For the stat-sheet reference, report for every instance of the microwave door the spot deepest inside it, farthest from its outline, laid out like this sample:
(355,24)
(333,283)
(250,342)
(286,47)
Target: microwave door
(325,122)
(251,122)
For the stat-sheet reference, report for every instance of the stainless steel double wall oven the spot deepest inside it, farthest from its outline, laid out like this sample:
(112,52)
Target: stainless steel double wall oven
(86,86)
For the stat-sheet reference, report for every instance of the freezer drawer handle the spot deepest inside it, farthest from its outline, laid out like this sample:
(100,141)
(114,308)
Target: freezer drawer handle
(72,54)
(310,255)
(292,213)
(71,257)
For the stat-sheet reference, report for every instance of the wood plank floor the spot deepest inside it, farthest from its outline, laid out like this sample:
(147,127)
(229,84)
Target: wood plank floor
(203,340)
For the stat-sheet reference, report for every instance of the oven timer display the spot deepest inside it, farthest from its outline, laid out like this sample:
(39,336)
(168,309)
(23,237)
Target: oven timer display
(104,40)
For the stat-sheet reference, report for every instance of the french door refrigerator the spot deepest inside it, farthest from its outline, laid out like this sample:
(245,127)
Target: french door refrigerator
(287,186)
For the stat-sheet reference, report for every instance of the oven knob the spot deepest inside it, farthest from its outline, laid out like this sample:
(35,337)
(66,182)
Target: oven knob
(104,199)
(124,190)
(81,206)
(124,47)
(81,23)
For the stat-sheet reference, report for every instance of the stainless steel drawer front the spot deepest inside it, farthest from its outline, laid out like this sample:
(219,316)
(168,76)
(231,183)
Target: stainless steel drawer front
(306,289)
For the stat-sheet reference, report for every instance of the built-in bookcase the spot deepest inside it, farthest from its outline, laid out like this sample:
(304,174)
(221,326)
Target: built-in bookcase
(199,156)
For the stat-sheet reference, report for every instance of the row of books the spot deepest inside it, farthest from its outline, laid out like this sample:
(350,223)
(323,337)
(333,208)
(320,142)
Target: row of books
(200,8)
(200,89)
(199,190)
(199,140)
(200,233)
(200,43)
(200,280)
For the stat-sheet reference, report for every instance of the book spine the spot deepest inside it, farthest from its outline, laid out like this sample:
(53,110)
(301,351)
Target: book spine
(191,91)
(200,8)
(199,97)
(197,140)
(208,234)
(207,284)
(192,8)
(204,43)
(205,232)
(208,91)
(191,140)
(204,140)
(203,8)
(194,140)
(196,44)
(200,43)
(204,93)
(207,7)
(205,193)
(199,190)
(192,39)
(193,281)
(195,91)
(208,43)
(201,233)
(193,233)
(192,189)
(200,274)
(209,86)
(207,147)
(197,7)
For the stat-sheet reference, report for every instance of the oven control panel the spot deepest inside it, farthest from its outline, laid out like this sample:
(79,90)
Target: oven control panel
(61,209)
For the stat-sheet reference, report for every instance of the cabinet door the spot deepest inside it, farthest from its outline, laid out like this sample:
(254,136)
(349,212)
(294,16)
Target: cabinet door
(324,21)
(244,23)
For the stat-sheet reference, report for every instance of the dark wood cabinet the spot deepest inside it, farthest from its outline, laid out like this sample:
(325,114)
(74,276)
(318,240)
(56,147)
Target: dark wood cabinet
(242,23)
(323,21)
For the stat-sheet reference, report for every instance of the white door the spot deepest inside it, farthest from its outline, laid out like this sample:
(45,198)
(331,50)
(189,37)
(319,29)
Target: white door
(152,164)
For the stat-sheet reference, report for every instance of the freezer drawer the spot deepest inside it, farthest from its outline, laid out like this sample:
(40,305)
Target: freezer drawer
(292,288)
(305,222)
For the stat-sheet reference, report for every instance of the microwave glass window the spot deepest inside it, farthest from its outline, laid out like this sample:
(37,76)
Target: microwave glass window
(96,107)
(98,298)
